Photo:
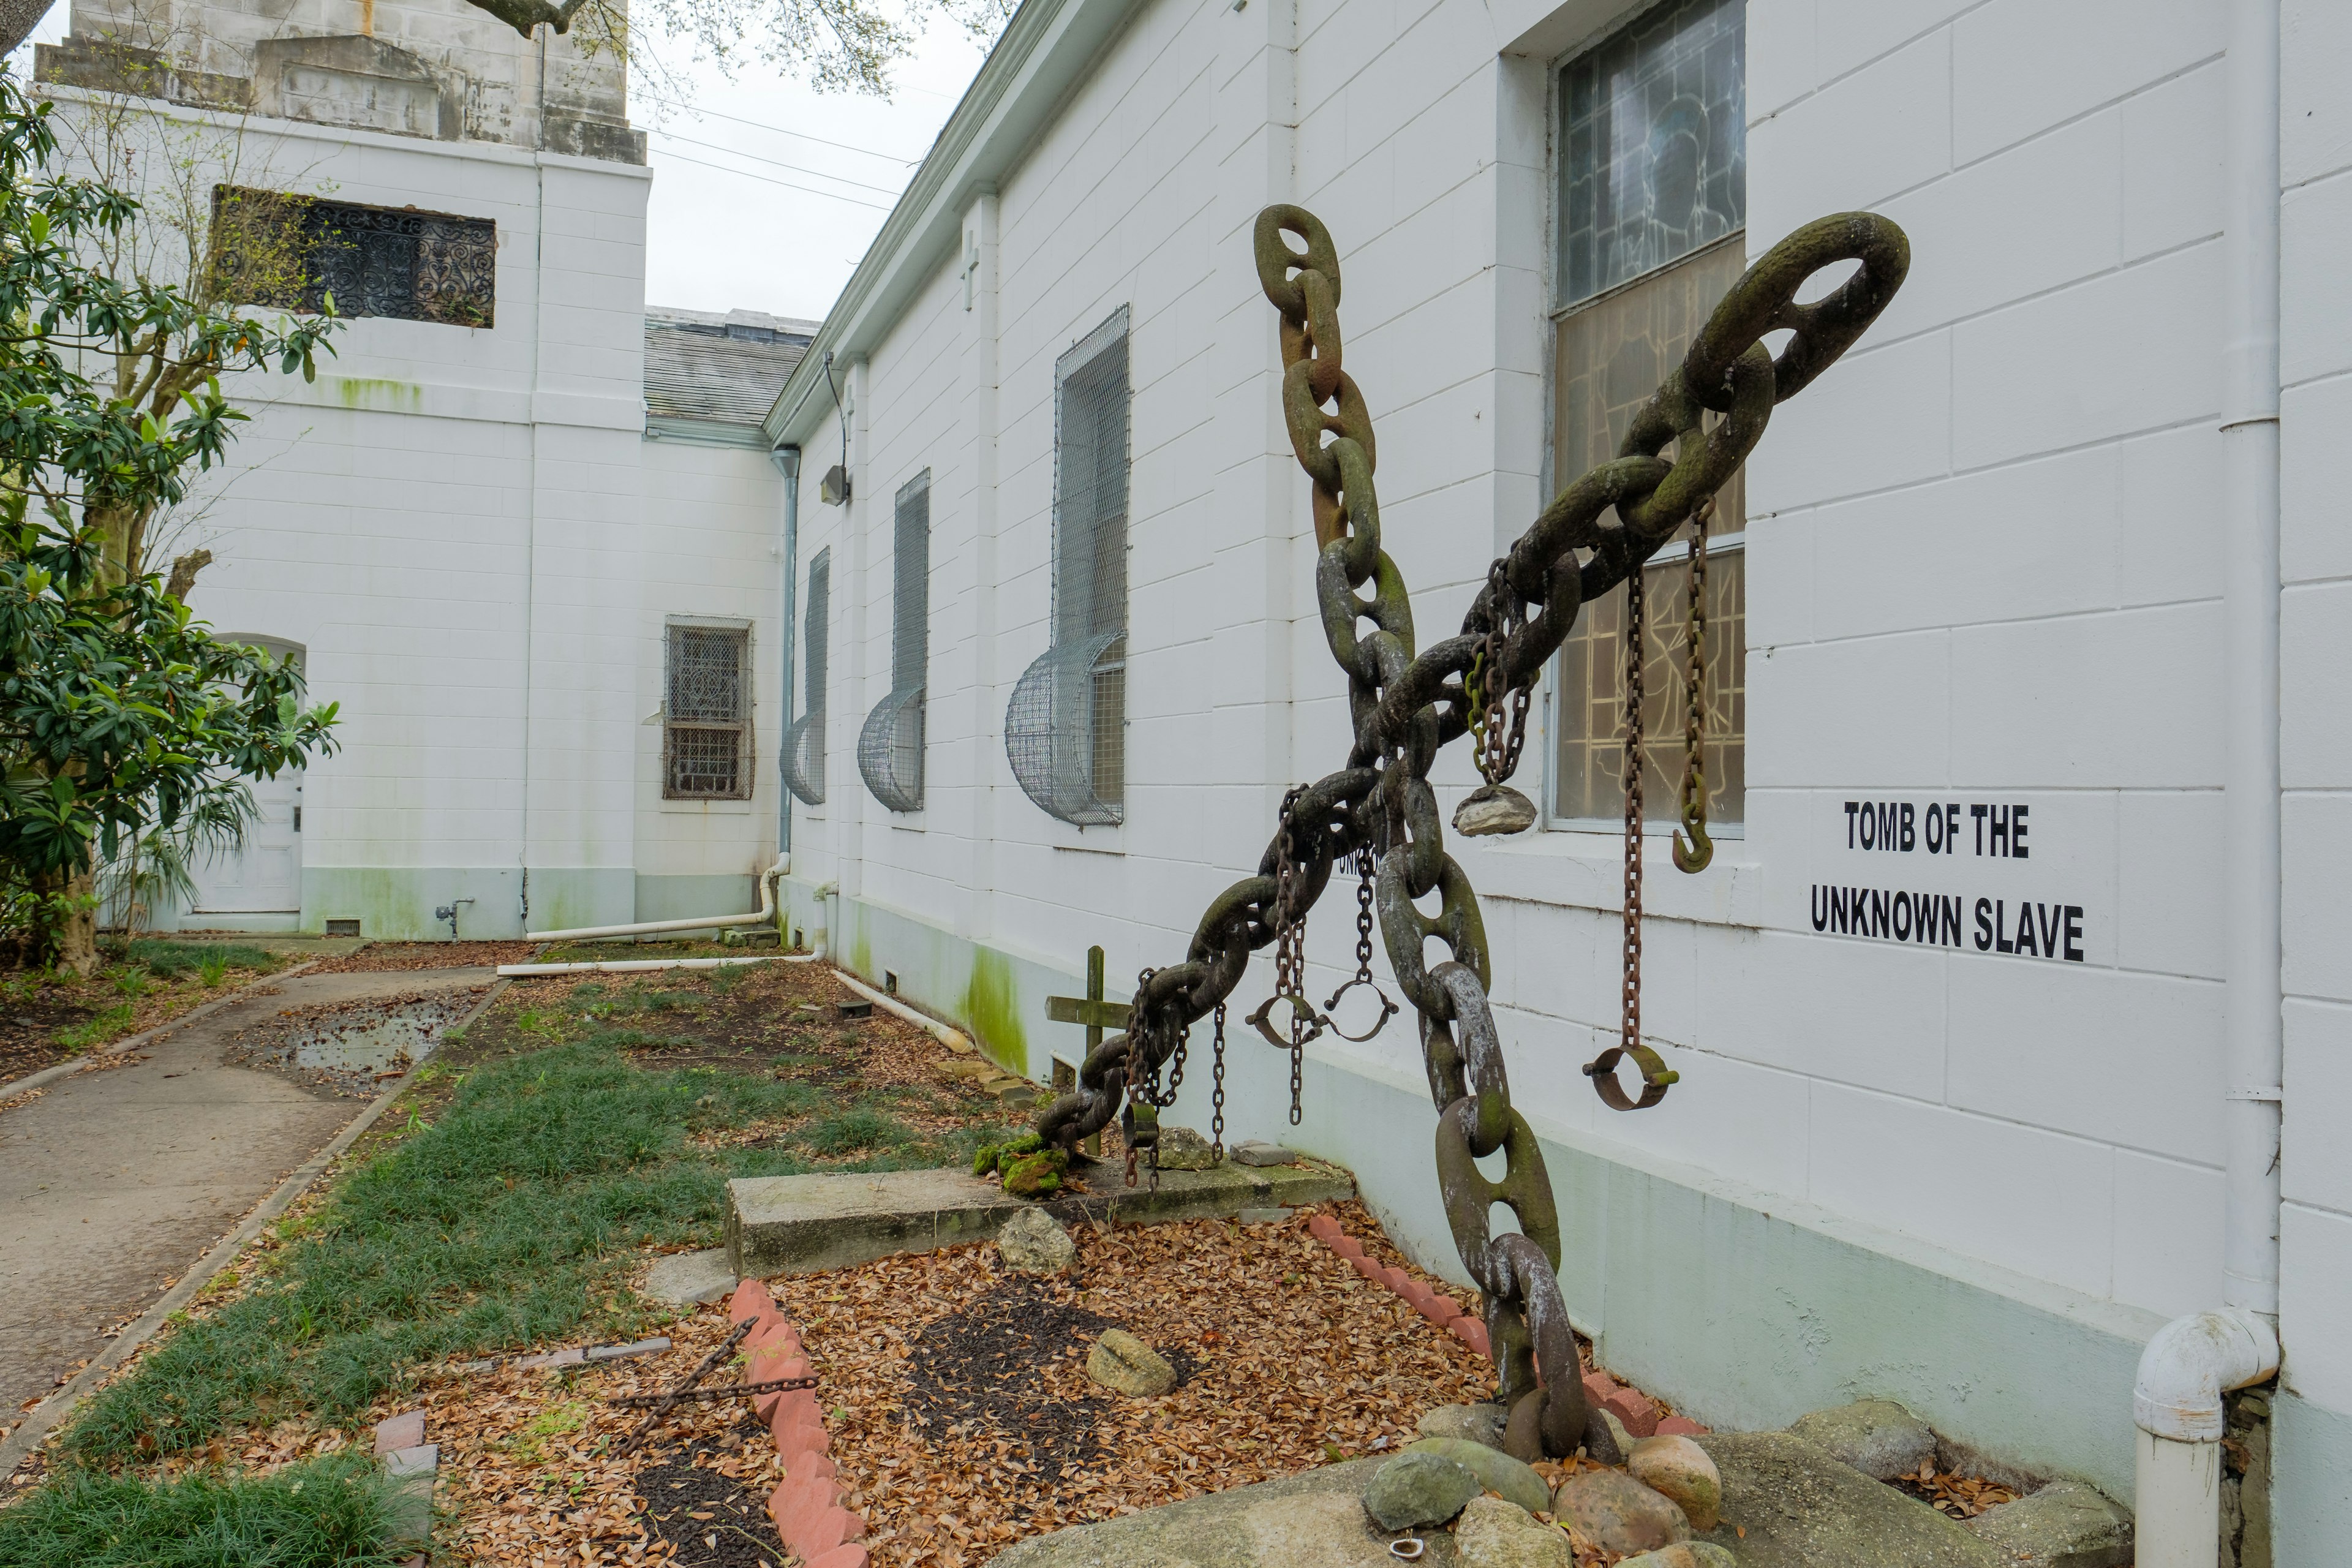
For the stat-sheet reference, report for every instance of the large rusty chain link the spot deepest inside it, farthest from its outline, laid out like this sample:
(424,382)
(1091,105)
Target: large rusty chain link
(1405,706)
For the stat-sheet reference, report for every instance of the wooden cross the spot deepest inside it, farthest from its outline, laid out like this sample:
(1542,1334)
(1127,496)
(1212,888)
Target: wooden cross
(1093,1012)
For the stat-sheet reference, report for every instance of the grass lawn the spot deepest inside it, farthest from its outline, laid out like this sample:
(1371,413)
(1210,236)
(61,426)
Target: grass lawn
(579,1126)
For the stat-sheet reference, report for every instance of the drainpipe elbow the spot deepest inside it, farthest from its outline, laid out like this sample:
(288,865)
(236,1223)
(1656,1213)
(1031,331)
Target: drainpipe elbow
(2191,1363)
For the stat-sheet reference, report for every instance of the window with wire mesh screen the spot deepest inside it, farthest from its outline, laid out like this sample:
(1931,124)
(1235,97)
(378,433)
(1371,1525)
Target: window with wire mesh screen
(890,747)
(706,714)
(804,745)
(1066,728)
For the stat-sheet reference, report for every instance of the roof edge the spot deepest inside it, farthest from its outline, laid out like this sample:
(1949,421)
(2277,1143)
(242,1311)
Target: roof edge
(1019,89)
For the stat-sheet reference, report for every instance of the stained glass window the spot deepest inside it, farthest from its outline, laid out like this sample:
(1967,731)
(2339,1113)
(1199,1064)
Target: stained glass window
(1665,255)
(1654,146)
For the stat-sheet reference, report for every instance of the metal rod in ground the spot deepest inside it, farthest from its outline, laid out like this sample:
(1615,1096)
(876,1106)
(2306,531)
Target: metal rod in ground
(731,1390)
(662,1403)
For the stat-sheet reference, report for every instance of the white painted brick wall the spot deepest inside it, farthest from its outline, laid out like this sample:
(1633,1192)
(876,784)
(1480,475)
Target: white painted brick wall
(1980,559)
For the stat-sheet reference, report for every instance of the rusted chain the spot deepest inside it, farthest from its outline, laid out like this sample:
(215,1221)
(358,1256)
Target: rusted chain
(1407,704)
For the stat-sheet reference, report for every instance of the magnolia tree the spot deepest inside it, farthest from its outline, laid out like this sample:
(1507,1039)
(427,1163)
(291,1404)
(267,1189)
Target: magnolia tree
(122,721)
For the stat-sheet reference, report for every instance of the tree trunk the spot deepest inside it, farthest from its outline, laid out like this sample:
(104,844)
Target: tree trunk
(17,20)
(73,919)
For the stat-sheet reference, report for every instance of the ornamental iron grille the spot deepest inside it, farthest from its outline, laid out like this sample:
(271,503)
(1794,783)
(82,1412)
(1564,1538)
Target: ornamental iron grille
(1379,812)
(706,714)
(890,747)
(292,252)
(805,744)
(1066,727)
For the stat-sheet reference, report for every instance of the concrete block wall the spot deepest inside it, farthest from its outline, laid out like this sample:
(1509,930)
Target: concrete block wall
(1979,560)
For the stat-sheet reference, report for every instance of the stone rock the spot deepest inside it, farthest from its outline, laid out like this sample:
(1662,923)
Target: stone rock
(1031,1242)
(1312,1520)
(1786,1504)
(685,1277)
(1876,1437)
(1415,1490)
(1125,1364)
(1688,1554)
(1497,1472)
(1623,1439)
(1613,1510)
(1258,1151)
(1494,808)
(1679,1468)
(2065,1525)
(1472,1423)
(1182,1148)
(1498,1534)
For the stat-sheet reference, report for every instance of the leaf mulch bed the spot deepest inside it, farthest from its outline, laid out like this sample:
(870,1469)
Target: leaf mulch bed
(379,956)
(952,1432)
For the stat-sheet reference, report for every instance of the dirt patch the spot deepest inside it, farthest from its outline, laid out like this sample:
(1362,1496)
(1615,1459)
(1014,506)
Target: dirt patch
(708,1518)
(378,956)
(352,1048)
(47,1019)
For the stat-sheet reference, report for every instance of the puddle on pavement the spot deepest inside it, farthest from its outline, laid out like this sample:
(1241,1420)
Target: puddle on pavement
(353,1048)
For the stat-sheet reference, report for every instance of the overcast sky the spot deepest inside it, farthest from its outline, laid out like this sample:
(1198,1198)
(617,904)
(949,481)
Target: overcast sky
(723,240)
(727,228)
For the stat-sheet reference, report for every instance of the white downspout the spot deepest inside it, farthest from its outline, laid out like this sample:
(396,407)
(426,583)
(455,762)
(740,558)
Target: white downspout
(2176,1402)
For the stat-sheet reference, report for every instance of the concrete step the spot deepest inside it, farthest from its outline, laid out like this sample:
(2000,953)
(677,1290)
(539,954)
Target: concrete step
(800,1225)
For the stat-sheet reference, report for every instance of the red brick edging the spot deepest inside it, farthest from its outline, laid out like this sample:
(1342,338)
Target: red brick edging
(1632,1407)
(812,1517)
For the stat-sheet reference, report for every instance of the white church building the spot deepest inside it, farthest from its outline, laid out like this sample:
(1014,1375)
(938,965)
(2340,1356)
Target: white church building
(2036,607)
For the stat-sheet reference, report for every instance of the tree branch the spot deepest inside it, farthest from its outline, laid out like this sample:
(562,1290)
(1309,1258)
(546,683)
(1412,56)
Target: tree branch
(183,574)
(522,15)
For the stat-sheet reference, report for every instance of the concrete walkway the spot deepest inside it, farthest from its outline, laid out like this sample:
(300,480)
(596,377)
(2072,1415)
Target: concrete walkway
(116,1180)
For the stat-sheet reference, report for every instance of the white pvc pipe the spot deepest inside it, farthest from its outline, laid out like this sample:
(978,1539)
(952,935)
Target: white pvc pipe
(954,1039)
(2177,1398)
(765,913)
(2178,1520)
(640,965)
(2249,558)
(2176,1403)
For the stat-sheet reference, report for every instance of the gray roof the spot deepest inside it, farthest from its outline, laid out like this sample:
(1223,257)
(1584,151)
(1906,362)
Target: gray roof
(724,369)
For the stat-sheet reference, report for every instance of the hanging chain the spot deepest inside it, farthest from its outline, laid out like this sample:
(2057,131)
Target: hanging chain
(1629,1028)
(1406,705)
(1363,959)
(1217,1088)
(1694,854)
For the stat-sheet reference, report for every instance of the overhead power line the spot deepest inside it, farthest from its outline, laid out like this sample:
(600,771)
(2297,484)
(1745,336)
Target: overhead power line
(780,131)
(770,180)
(778,163)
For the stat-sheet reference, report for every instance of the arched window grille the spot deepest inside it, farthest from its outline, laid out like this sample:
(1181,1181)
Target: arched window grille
(805,744)
(1066,728)
(890,747)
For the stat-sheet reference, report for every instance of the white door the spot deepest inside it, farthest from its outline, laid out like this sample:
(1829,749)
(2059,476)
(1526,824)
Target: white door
(265,876)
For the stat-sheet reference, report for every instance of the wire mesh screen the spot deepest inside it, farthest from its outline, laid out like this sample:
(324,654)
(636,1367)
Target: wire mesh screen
(1066,729)
(890,747)
(706,714)
(804,745)
(1062,730)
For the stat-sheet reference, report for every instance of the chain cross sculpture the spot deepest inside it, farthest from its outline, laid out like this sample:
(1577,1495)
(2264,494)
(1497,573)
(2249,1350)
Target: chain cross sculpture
(1712,411)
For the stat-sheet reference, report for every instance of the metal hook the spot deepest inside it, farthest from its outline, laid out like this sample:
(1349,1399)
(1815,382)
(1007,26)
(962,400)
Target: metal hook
(1694,855)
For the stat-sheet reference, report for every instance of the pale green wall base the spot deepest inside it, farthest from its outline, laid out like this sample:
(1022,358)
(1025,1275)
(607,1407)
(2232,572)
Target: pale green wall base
(396,903)
(2311,1485)
(997,997)
(1745,1309)
(169,920)
(690,898)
